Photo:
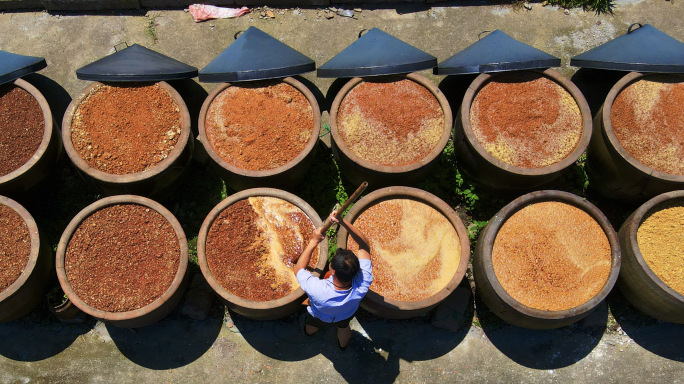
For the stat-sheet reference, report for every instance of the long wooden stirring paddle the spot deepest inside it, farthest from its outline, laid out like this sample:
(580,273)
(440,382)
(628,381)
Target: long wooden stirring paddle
(327,224)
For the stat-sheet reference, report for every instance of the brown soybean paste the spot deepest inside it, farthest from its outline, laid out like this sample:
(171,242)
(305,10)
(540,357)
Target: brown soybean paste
(390,122)
(526,119)
(123,129)
(22,126)
(551,256)
(661,242)
(251,243)
(648,121)
(415,249)
(259,126)
(15,246)
(122,258)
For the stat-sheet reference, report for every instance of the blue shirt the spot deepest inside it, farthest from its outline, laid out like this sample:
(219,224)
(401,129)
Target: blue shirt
(327,303)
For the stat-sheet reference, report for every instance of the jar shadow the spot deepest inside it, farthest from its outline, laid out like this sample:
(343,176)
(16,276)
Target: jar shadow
(57,97)
(284,340)
(544,349)
(37,336)
(414,339)
(173,342)
(454,88)
(63,194)
(333,90)
(362,361)
(595,85)
(202,189)
(193,95)
(281,339)
(320,98)
(659,337)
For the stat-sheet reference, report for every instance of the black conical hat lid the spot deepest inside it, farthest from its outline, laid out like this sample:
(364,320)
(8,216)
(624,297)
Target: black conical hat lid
(255,55)
(645,49)
(496,52)
(13,66)
(136,63)
(377,53)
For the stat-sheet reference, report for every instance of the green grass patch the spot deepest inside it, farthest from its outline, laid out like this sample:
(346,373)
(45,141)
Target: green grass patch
(598,6)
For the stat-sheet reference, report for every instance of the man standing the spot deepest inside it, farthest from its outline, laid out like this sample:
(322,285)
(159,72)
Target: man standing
(336,299)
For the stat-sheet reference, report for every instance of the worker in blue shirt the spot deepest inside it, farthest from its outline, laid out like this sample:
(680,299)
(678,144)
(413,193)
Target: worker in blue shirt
(335,300)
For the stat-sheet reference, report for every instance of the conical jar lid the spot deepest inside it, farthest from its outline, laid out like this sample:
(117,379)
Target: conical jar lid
(496,52)
(377,53)
(255,55)
(644,49)
(136,63)
(13,66)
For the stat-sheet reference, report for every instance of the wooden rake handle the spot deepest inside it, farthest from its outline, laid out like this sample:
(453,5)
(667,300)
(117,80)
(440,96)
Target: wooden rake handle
(327,224)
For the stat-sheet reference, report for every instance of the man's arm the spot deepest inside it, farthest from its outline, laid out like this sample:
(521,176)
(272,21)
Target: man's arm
(360,238)
(303,260)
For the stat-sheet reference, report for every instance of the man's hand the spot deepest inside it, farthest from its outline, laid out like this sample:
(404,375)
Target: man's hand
(318,235)
(334,217)
(301,261)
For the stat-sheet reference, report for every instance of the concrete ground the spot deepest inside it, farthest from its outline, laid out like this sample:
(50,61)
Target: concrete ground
(231,348)
(224,348)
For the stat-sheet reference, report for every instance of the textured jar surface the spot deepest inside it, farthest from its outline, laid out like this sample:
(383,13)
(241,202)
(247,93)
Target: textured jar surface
(251,243)
(415,249)
(551,256)
(122,257)
(526,119)
(126,128)
(390,122)
(259,126)
(660,238)
(22,126)
(648,120)
(15,246)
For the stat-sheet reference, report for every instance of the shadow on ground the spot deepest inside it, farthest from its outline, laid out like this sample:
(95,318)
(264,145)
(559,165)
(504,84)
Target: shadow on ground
(413,339)
(37,336)
(454,89)
(278,339)
(332,92)
(544,349)
(194,96)
(363,361)
(320,98)
(57,97)
(375,349)
(171,343)
(659,337)
(595,85)
(93,9)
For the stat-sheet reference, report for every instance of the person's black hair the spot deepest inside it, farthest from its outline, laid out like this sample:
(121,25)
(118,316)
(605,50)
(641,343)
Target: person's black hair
(346,265)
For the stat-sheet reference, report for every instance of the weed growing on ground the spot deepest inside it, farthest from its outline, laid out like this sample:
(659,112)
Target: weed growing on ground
(474,230)
(519,5)
(192,250)
(56,297)
(598,6)
(151,25)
